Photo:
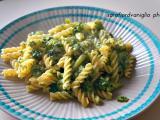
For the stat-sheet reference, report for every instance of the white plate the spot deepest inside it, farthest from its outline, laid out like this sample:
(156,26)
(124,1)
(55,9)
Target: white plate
(142,89)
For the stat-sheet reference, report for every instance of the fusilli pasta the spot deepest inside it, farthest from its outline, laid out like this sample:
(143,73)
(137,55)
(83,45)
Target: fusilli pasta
(74,60)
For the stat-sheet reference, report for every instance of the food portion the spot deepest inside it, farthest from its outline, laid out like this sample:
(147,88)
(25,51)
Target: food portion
(74,60)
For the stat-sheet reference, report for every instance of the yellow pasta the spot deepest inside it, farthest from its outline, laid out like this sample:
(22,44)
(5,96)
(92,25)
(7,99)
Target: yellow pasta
(10,56)
(64,33)
(61,61)
(68,48)
(10,74)
(74,60)
(27,53)
(105,94)
(81,97)
(33,85)
(10,50)
(81,77)
(94,98)
(59,28)
(15,64)
(25,68)
(60,96)
(67,73)
(47,61)
(47,78)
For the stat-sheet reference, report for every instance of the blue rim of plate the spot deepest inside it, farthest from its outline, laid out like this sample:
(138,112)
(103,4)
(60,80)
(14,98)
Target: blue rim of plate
(125,116)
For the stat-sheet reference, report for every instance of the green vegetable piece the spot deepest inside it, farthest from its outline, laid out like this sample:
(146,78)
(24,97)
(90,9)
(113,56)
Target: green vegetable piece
(36,54)
(99,25)
(123,60)
(67,21)
(53,88)
(37,70)
(103,83)
(79,61)
(122,99)
(47,38)
(87,86)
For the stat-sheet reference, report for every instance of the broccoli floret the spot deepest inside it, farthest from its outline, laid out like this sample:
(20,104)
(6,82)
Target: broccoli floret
(87,86)
(122,99)
(102,83)
(53,88)
(37,70)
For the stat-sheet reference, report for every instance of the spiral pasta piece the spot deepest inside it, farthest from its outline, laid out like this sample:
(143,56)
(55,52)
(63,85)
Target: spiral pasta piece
(64,33)
(63,95)
(10,56)
(47,78)
(47,61)
(27,53)
(102,36)
(59,28)
(83,74)
(105,50)
(82,98)
(115,67)
(35,39)
(33,85)
(10,74)
(104,94)
(94,98)
(108,68)
(67,73)
(15,64)
(87,44)
(10,50)
(94,57)
(67,47)
(130,67)
(25,68)
(61,62)
(103,62)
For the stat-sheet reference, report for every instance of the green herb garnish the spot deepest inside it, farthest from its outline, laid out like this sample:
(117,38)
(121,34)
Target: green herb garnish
(122,99)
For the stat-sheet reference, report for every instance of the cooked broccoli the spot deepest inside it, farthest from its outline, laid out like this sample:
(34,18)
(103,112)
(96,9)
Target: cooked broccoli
(102,83)
(122,99)
(36,54)
(87,86)
(53,88)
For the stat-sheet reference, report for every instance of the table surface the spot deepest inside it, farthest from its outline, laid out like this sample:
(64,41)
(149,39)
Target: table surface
(12,9)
